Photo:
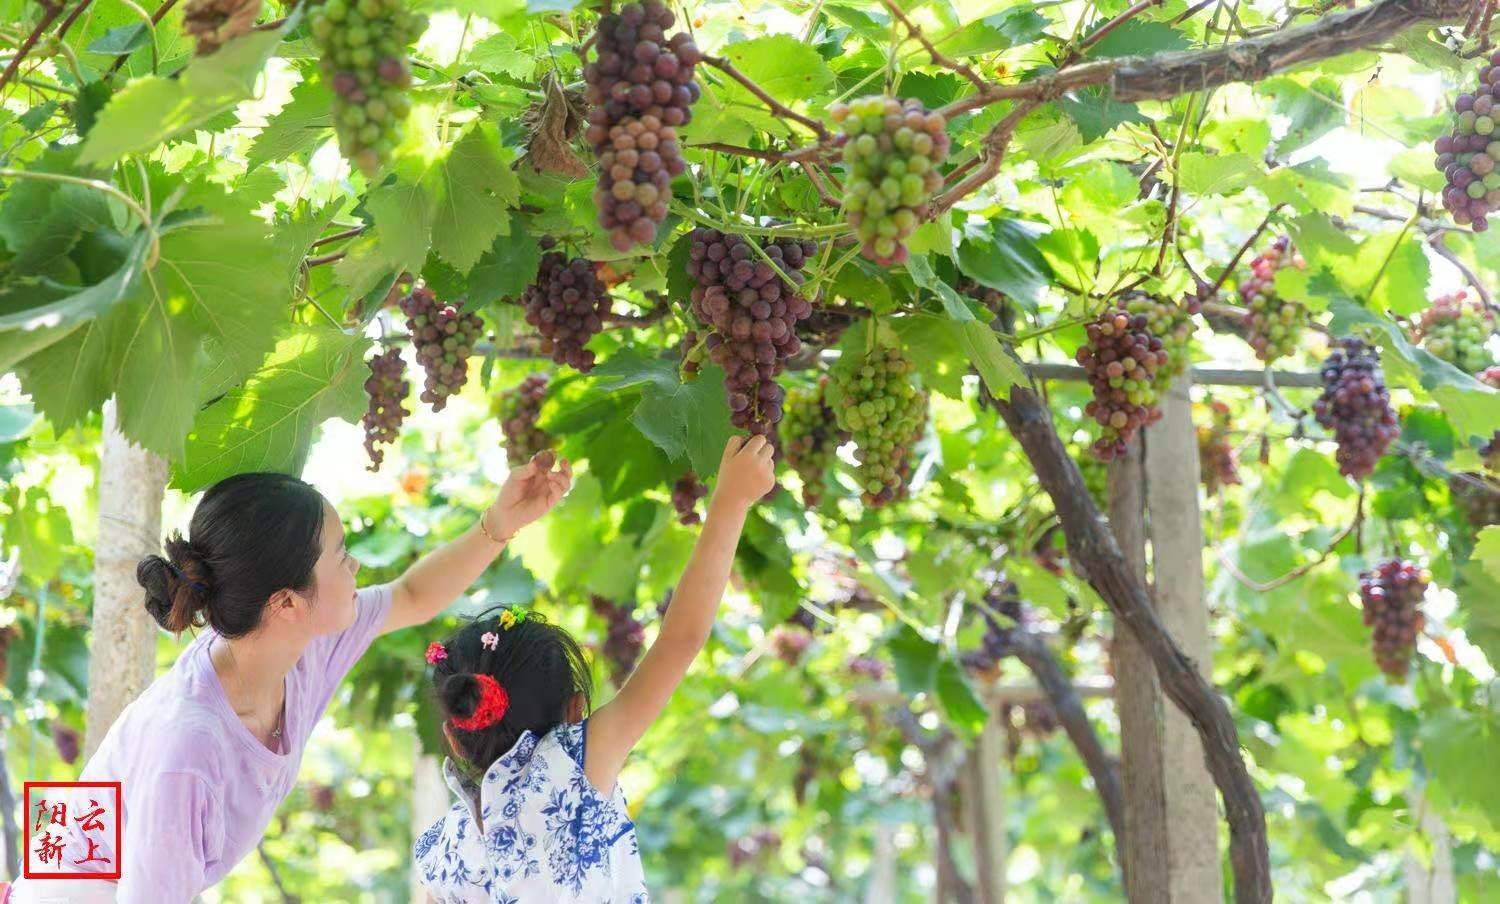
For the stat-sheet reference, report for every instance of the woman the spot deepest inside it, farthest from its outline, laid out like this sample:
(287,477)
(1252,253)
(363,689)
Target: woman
(211,748)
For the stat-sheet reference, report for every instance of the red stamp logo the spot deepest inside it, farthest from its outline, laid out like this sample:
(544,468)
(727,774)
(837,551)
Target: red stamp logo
(72,830)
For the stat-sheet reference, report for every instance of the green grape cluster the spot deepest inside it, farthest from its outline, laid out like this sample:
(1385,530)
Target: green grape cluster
(875,399)
(1172,324)
(1456,329)
(362,52)
(1274,323)
(810,437)
(893,149)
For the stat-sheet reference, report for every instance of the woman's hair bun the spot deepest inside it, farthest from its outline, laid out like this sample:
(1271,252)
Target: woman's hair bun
(177,587)
(460,694)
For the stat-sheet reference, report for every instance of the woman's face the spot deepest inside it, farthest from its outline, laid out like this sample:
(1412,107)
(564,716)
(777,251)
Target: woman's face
(332,599)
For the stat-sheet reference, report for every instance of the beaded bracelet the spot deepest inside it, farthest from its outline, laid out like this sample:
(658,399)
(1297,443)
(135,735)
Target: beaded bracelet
(485,528)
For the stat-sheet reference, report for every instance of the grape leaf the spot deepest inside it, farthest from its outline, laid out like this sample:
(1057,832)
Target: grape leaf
(403,224)
(304,123)
(1452,742)
(500,53)
(1096,112)
(964,709)
(268,423)
(1139,38)
(507,268)
(472,188)
(1019,25)
(1002,255)
(1221,174)
(153,109)
(916,661)
(1309,110)
(689,418)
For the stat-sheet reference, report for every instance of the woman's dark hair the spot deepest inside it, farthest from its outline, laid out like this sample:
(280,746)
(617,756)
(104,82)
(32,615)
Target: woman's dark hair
(251,535)
(538,664)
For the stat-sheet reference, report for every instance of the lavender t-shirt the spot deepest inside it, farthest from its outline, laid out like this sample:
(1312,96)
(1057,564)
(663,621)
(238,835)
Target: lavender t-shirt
(199,788)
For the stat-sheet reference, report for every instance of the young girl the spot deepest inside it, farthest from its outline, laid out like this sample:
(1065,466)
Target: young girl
(540,816)
(209,750)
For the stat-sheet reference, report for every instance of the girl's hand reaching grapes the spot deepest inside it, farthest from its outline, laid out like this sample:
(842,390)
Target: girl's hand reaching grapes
(529,493)
(747,472)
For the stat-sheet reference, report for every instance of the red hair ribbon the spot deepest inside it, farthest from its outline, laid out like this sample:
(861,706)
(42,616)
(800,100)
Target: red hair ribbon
(493,702)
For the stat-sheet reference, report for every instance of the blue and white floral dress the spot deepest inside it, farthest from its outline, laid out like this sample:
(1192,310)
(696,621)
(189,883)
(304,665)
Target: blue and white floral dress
(547,834)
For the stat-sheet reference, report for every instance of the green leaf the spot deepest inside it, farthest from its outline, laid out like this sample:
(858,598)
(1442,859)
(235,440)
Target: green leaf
(153,109)
(268,423)
(1403,280)
(782,65)
(1096,112)
(1224,174)
(1452,743)
(500,53)
(507,268)
(1002,255)
(1310,110)
(300,126)
(120,41)
(689,418)
(1138,38)
(1020,25)
(964,709)
(403,224)
(916,661)
(472,189)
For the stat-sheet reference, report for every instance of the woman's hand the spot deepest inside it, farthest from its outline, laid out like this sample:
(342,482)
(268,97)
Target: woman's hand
(529,493)
(746,473)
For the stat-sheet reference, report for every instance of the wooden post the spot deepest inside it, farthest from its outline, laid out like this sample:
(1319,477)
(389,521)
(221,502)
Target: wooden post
(1139,703)
(122,641)
(982,781)
(1176,532)
(880,881)
(1430,884)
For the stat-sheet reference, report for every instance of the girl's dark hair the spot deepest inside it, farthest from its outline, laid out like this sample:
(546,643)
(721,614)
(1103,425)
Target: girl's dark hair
(538,664)
(252,535)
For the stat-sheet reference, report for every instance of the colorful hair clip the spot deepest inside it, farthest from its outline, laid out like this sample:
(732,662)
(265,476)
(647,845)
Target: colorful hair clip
(493,703)
(489,640)
(512,617)
(436,652)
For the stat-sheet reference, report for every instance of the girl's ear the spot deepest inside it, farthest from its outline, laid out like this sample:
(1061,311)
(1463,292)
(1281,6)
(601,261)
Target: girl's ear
(575,708)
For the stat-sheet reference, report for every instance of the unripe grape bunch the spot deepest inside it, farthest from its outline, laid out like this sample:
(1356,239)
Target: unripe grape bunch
(1392,597)
(1218,465)
(1356,406)
(685,495)
(444,338)
(811,438)
(567,304)
(387,388)
(875,400)
(1469,157)
(1122,360)
(640,88)
(518,410)
(1275,324)
(893,149)
(1172,324)
(752,314)
(1456,329)
(362,46)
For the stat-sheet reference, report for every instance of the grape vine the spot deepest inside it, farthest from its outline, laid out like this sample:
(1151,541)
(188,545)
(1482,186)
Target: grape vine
(444,339)
(876,402)
(893,149)
(1275,324)
(1392,597)
(810,438)
(567,304)
(752,313)
(641,88)
(518,410)
(362,54)
(1456,329)
(1469,156)
(387,388)
(1356,406)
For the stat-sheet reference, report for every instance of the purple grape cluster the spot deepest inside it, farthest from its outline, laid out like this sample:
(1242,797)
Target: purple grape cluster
(790,642)
(1218,464)
(752,847)
(811,438)
(867,667)
(1002,597)
(752,313)
(567,304)
(362,47)
(1356,406)
(444,339)
(1392,597)
(893,149)
(387,388)
(685,495)
(1122,359)
(1477,497)
(518,411)
(1469,157)
(641,88)
(67,742)
(624,637)
(1274,324)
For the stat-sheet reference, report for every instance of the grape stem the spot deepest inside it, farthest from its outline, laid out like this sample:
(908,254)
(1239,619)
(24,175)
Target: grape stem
(161,11)
(1103,31)
(1305,567)
(1395,246)
(938,57)
(50,12)
(1235,261)
(339,236)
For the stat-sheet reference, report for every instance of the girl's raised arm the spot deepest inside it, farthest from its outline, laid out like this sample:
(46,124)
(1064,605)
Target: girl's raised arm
(746,473)
(432,584)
